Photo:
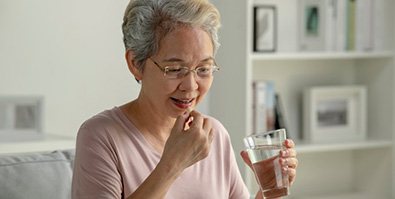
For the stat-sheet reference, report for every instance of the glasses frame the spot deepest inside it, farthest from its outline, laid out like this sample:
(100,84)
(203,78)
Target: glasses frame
(166,68)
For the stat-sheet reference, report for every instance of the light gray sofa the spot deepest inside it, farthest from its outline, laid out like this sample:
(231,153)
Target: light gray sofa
(39,175)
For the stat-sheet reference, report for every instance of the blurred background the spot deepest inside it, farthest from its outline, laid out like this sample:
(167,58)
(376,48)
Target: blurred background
(67,59)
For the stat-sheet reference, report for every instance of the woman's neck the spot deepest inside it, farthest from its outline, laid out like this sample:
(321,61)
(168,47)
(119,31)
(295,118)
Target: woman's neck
(154,127)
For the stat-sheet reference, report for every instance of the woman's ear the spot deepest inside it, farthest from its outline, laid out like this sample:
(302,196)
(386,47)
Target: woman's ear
(138,75)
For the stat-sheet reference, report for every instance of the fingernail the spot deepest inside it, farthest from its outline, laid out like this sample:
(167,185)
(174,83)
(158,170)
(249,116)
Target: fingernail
(284,161)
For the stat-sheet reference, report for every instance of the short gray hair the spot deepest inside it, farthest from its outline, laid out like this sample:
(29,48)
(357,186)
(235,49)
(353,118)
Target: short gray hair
(146,22)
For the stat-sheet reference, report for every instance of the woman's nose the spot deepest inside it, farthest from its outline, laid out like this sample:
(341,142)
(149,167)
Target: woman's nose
(189,82)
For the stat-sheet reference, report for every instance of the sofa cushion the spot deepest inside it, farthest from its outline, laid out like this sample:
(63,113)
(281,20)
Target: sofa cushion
(45,175)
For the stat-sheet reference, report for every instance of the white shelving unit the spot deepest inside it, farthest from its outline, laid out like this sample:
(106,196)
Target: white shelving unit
(326,171)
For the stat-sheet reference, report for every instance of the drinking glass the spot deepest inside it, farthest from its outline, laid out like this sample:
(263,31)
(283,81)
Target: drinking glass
(264,152)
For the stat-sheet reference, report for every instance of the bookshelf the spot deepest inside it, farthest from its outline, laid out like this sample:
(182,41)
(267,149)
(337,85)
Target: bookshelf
(343,170)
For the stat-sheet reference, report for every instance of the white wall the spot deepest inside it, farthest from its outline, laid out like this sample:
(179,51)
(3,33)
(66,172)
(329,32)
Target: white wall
(71,53)
(68,51)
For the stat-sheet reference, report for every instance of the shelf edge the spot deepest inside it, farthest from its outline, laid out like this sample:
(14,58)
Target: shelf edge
(320,55)
(314,148)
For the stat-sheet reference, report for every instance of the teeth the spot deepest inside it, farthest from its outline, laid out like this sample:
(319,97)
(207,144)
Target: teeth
(182,101)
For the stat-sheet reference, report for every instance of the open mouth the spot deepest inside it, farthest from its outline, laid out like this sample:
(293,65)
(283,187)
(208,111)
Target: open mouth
(182,103)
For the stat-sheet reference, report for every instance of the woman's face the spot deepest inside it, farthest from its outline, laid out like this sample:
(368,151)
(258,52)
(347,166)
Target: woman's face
(184,46)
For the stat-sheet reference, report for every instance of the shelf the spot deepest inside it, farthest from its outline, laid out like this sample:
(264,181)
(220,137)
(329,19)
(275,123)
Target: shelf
(344,170)
(356,195)
(351,195)
(48,143)
(303,148)
(321,55)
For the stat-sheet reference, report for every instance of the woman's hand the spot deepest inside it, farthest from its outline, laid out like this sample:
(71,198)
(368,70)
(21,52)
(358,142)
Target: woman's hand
(287,160)
(189,141)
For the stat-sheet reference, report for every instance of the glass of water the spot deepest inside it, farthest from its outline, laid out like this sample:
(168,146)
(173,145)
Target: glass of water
(264,152)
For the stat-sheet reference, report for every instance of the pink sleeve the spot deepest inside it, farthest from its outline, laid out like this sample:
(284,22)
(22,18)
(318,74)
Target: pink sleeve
(95,169)
(238,189)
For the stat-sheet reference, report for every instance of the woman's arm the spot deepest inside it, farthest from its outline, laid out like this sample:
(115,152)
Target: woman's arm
(183,149)
(157,183)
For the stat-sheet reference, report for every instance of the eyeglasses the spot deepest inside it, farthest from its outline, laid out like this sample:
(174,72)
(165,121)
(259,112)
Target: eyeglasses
(177,72)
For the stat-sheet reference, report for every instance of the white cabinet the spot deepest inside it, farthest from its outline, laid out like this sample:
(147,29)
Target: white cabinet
(49,142)
(346,170)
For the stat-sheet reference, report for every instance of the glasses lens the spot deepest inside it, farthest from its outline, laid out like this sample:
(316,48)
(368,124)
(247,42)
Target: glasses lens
(204,71)
(175,72)
(180,72)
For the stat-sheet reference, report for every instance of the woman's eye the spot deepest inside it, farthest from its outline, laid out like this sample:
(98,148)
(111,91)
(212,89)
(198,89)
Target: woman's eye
(174,69)
(204,69)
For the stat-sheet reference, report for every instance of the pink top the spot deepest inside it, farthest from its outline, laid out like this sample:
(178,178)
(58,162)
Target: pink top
(113,159)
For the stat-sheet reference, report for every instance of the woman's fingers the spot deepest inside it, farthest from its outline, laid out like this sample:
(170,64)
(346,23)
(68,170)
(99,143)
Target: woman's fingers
(190,140)
(180,123)
(197,121)
(288,159)
(288,156)
(291,175)
(288,153)
(246,159)
(288,143)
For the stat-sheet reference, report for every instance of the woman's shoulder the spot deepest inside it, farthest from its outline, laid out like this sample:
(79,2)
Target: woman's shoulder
(102,123)
(218,126)
(100,119)
(214,121)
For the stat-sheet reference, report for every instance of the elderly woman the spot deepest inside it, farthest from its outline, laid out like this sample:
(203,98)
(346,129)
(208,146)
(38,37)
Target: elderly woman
(158,146)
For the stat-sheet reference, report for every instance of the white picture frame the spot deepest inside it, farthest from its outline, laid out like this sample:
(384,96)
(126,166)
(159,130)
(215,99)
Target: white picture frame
(334,114)
(312,24)
(265,28)
(21,118)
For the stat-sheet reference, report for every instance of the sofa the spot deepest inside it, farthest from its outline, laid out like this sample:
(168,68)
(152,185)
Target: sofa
(38,175)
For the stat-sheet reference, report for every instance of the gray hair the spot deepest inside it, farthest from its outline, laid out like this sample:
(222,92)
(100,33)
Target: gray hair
(146,22)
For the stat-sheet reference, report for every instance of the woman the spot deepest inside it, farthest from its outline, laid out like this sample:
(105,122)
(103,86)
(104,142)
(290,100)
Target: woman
(157,146)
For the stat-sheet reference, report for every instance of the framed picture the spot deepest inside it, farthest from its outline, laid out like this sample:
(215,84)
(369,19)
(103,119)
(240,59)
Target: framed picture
(265,28)
(312,25)
(334,114)
(20,118)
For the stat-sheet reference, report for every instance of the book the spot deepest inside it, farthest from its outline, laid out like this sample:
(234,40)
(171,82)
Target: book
(280,120)
(263,106)
(331,25)
(341,25)
(312,27)
(351,21)
(337,25)
(364,25)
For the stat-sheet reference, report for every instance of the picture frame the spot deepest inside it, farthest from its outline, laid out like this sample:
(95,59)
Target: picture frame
(21,118)
(334,114)
(312,24)
(265,28)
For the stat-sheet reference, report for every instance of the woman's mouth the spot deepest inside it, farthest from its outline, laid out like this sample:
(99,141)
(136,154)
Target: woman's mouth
(182,103)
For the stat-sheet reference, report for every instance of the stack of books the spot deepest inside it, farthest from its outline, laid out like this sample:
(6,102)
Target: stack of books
(336,25)
(267,107)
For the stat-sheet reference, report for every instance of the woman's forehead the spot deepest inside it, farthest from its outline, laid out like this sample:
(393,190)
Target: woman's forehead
(186,43)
